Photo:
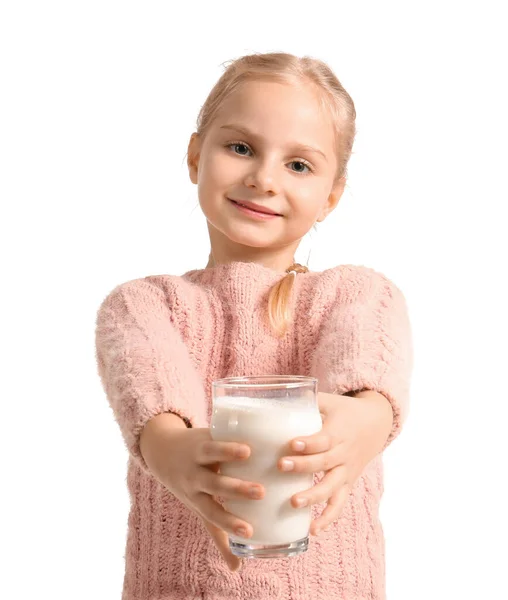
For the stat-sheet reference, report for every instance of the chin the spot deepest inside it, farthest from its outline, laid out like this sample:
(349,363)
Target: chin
(253,241)
(246,236)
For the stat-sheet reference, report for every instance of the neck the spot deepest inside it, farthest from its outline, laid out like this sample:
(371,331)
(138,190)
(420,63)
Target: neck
(278,259)
(274,263)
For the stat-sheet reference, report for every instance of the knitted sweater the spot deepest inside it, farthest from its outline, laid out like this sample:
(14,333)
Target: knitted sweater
(161,341)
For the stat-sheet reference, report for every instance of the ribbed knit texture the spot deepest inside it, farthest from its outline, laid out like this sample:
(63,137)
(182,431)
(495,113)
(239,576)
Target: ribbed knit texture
(162,340)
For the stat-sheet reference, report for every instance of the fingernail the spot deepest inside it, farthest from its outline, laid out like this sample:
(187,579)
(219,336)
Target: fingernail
(287,465)
(254,492)
(241,531)
(242,453)
(300,502)
(299,446)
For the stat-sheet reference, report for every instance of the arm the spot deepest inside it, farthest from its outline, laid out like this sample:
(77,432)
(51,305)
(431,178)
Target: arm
(365,349)
(363,362)
(144,365)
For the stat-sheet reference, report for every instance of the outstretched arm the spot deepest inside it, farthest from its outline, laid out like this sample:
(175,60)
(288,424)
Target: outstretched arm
(363,362)
(366,345)
(143,363)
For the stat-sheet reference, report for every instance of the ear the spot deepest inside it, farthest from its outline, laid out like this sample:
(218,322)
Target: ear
(333,199)
(193,153)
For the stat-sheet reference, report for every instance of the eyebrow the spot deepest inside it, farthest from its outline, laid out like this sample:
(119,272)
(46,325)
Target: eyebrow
(250,133)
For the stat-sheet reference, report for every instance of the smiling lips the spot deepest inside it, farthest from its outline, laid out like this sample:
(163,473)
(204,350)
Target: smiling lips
(252,207)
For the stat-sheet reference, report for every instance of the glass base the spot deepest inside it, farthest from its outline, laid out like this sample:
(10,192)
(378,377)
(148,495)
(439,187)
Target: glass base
(269,550)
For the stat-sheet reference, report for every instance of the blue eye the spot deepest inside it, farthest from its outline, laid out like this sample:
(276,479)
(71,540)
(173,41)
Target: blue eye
(300,161)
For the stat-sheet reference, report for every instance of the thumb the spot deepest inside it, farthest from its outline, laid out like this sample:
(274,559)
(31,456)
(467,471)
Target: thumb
(220,537)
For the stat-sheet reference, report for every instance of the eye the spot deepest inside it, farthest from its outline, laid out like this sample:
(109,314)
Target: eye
(304,163)
(237,144)
(297,162)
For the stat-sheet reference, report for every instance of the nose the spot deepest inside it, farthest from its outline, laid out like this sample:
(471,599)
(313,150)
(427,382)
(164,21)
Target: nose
(262,177)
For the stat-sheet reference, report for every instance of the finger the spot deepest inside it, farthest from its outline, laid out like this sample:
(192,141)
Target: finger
(312,444)
(313,463)
(229,487)
(322,491)
(332,511)
(212,452)
(212,511)
(221,540)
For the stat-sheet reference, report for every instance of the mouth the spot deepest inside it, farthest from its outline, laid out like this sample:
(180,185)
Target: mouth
(264,213)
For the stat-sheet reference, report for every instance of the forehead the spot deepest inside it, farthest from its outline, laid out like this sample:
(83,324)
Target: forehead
(278,112)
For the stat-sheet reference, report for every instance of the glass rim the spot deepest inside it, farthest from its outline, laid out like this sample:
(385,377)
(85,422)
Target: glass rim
(265,381)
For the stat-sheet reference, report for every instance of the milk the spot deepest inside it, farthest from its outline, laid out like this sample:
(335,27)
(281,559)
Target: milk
(267,426)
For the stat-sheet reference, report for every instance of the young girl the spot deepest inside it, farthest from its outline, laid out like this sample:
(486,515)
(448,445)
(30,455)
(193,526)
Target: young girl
(269,158)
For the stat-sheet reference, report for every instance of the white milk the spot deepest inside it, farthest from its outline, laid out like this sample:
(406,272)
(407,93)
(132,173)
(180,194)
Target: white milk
(267,426)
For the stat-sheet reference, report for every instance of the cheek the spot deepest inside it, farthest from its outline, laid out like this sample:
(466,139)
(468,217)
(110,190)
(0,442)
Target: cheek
(309,203)
(219,169)
(215,181)
(211,183)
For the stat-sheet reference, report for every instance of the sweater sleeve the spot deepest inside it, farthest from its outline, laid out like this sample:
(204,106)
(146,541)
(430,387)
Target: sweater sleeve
(366,344)
(144,366)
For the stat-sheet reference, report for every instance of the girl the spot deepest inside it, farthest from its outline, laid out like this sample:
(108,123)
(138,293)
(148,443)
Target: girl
(269,158)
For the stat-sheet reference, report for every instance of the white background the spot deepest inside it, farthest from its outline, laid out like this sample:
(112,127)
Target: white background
(98,102)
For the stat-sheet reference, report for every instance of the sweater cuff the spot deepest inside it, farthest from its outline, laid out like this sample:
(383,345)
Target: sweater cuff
(131,426)
(373,377)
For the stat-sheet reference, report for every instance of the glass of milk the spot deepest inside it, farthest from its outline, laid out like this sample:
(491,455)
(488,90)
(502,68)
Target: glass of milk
(266,413)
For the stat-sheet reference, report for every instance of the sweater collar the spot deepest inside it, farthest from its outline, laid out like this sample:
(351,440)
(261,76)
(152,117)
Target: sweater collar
(235,269)
(245,284)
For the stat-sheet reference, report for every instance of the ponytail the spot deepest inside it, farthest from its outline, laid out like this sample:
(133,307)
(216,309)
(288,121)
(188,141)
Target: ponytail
(279,300)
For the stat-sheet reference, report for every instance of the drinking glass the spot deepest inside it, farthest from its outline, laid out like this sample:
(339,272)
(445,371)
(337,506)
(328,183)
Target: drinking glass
(266,413)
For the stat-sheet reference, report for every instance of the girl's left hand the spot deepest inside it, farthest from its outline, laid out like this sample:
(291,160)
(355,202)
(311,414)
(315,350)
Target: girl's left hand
(355,430)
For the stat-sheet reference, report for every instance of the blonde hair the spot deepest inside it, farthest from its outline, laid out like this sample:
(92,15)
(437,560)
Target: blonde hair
(279,300)
(334,101)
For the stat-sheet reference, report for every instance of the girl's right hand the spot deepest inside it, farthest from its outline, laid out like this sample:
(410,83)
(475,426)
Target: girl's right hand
(186,461)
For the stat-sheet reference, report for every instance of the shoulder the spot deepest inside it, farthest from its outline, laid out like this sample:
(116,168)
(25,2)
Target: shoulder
(349,283)
(146,292)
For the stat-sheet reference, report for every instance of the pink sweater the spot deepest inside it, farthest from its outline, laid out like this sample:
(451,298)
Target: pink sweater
(162,340)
